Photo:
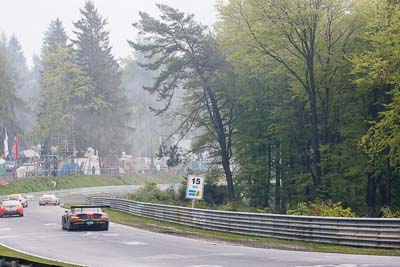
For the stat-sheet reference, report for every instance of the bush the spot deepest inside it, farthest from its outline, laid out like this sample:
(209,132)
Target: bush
(151,193)
(388,213)
(325,209)
(215,194)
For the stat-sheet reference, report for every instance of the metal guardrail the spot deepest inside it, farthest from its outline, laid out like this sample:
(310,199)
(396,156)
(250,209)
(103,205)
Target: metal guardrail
(14,262)
(363,232)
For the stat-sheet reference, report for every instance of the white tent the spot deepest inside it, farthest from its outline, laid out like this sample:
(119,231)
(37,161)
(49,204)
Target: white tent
(29,153)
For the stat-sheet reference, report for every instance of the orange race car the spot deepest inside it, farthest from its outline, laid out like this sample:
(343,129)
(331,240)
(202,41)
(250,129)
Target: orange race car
(85,217)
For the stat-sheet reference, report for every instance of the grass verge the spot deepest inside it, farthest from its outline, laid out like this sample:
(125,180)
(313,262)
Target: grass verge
(6,252)
(67,182)
(236,239)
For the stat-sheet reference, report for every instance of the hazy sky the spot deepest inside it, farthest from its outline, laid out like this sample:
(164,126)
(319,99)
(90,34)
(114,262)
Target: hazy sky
(29,19)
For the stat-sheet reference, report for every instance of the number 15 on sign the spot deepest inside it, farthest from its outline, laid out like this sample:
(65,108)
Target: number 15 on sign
(195,187)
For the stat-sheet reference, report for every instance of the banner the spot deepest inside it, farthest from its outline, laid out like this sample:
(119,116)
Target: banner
(14,153)
(6,152)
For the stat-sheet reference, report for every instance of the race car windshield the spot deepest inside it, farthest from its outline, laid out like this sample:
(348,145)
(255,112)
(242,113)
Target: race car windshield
(10,203)
(84,210)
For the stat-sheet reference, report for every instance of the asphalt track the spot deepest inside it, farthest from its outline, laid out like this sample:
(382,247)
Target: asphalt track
(39,233)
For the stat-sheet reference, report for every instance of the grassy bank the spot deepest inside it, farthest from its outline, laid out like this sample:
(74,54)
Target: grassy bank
(6,252)
(66,182)
(235,239)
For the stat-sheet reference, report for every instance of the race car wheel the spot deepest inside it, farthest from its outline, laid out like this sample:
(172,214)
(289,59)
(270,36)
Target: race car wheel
(69,226)
(21,215)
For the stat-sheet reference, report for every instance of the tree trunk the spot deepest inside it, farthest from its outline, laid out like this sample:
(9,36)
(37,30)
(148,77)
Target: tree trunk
(269,169)
(278,206)
(225,150)
(264,151)
(385,185)
(316,160)
(388,182)
(371,195)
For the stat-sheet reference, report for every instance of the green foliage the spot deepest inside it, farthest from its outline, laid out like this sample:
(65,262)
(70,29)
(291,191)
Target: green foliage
(45,183)
(302,96)
(65,182)
(173,153)
(325,209)
(8,99)
(388,213)
(382,141)
(65,92)
(215,192)
(188,60)
(54,36)
(378,82)
(106,129)
(151,193)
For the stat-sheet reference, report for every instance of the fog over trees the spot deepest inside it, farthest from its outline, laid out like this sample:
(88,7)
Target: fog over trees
(293,100)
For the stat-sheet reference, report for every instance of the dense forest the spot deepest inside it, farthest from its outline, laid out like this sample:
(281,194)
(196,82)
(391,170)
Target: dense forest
(295,101)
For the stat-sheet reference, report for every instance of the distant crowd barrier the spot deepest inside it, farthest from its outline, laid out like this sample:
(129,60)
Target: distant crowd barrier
(362,232)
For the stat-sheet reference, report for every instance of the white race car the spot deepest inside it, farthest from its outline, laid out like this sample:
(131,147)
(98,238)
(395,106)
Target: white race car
(49,199)
(22,200)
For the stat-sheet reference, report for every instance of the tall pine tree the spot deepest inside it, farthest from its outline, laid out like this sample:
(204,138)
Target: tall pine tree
(22,81)
(106,129)
(55,36)
(8,99)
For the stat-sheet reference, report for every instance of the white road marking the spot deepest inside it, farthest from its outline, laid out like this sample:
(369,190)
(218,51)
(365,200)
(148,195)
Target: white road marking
(204,266)
(110,234)
(169,257)
(99,234)
(341,265)
(88,233)
(5,229)
(133,243)
(36,235)
(231,254)
(51,224)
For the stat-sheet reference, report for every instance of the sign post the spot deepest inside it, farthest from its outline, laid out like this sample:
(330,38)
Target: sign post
(194,188)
